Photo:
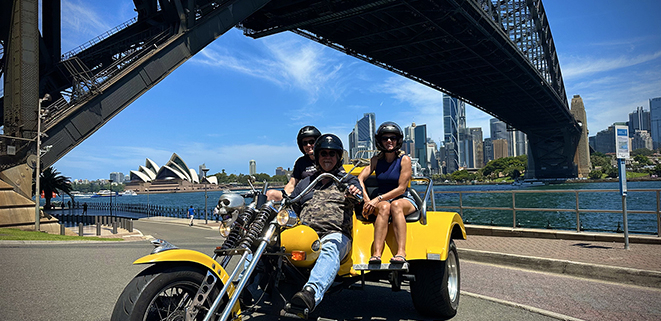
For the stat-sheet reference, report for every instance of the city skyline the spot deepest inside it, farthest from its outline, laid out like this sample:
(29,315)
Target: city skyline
(245,99)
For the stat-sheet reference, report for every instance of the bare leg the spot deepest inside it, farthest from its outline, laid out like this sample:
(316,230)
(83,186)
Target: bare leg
(397,210)
(381,227)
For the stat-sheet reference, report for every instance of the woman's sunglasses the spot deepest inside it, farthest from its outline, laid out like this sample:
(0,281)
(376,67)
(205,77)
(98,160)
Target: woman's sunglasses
(387,138)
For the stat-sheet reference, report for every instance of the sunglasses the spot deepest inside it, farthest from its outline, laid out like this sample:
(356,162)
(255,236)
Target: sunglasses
(308,142)
(324,153)
(387,138)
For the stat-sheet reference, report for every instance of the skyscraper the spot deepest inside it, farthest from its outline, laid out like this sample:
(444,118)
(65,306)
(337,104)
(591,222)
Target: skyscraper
(639,120)
(421,144)
(362,136)
(498,129)
(655,120)
(488,150)
(454,129)
(253,167)
(477,147)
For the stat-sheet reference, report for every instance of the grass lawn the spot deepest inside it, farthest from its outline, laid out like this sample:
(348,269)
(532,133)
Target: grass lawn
(636,175)
(16,234)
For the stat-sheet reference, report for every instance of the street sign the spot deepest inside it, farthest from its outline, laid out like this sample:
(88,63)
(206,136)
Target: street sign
(622,141)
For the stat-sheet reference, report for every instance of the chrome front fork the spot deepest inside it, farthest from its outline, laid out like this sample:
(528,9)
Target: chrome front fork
(244,278)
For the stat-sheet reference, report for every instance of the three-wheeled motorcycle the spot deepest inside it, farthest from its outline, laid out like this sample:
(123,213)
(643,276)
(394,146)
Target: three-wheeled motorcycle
(267,255)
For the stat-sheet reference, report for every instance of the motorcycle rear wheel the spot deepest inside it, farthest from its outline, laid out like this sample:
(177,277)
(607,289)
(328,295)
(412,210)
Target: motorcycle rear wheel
(162,292)
(436,289)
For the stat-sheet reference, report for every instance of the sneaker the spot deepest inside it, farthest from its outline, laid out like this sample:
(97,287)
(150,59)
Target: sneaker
(304,298)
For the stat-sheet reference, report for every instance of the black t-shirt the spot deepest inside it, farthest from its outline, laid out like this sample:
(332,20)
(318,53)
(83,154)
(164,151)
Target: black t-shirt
(303,167)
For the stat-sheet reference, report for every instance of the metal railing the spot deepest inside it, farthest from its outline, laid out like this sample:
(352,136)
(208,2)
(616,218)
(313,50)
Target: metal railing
(514,208)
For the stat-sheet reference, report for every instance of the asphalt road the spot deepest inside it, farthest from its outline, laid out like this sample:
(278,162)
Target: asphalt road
(81,281)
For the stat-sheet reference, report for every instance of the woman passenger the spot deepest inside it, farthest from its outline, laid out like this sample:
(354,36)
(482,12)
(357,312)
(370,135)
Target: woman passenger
(393,173)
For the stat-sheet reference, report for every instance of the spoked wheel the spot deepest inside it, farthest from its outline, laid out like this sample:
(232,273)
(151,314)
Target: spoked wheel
(435,291)
(162,293)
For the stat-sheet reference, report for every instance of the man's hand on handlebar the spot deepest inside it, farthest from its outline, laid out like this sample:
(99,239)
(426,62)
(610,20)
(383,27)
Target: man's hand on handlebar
(355,193)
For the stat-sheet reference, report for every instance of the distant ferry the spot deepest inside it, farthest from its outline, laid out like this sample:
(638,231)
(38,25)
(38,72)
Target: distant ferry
(128,192)
(105,193)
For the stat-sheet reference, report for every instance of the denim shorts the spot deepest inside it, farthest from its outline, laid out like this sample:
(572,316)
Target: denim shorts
(408,197)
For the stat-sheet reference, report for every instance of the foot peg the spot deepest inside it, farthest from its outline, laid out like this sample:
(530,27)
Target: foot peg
(294,312)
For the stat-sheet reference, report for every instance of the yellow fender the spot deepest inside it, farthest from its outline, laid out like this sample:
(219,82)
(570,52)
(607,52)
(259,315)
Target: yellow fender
(191,257)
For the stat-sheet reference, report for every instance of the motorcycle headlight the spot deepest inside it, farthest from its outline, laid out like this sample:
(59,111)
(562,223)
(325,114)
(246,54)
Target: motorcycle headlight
(224,230)
(287,217)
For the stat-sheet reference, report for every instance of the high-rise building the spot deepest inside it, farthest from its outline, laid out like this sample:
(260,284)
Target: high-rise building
(582,156)
(433,164)
(655,121)
(477,147)
(362,136)
(639,120)
(488,150)
(253,167)
(454,130)
(500,149)
(421,144)
(498,129)
(117,177)
(604,141)
(641,139)
(517,143)
(201,172)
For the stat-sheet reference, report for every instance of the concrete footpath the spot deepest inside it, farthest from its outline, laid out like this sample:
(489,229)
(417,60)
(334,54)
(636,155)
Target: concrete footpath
(598,256)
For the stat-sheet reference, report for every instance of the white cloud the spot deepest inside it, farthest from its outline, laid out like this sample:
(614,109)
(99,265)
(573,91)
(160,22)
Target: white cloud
(582,66)
(286,62)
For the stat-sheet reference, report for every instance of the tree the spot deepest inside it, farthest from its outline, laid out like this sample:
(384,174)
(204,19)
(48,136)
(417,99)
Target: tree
(51,181)
(600,160)
(595,174)
(642,152)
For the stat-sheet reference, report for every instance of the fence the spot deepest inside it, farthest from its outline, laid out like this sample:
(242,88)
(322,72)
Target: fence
(99,220)
(147,210)
(576,209)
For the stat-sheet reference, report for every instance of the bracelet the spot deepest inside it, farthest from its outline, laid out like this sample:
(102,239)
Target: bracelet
(380,198)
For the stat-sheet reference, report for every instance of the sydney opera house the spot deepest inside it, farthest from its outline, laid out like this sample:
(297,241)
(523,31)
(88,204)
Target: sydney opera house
(175,176)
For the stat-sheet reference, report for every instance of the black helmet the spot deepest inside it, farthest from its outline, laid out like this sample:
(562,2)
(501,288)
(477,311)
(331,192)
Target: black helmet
(389,128)
(305,132)
(329,141)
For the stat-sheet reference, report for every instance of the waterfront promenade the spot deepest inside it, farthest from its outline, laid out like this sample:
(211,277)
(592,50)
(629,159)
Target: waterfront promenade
(590,255)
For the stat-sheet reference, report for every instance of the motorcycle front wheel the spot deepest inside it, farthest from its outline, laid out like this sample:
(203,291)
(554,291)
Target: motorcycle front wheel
(162,292)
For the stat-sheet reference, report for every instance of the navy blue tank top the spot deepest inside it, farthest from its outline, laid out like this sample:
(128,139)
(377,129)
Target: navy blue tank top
(387,174)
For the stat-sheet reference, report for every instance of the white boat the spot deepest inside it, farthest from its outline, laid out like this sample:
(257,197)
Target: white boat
(129,192)
(528,182)
(105,193)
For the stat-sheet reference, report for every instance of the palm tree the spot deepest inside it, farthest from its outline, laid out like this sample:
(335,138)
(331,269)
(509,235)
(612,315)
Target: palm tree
(51,181)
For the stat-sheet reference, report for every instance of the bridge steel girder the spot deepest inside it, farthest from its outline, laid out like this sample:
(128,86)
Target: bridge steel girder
(460,48)
(82,121)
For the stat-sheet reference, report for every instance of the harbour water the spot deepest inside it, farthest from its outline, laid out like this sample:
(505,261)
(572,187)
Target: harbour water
(593,221)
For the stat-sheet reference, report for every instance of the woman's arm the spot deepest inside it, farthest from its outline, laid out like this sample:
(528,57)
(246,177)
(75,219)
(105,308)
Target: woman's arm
(364,174)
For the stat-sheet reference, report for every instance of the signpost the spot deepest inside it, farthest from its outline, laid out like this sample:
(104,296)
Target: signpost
(622,152)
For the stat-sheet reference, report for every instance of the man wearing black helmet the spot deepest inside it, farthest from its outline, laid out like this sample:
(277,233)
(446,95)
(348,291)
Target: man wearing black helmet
(393,199)
(304,165)
(328,211)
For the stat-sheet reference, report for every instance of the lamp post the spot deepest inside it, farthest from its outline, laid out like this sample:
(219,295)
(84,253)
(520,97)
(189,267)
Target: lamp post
(114,221)
(205,170)
(37,171)
(147,202)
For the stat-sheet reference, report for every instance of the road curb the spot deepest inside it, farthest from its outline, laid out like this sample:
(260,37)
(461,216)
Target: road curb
(592,271)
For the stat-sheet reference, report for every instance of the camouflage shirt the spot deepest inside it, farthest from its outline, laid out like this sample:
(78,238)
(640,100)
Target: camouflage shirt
(325,208)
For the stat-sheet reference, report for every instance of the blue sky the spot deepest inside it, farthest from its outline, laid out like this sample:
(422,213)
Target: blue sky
(241,99)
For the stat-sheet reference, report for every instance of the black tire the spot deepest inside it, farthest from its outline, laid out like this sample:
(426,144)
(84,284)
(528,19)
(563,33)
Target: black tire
(435,291)
(162,292)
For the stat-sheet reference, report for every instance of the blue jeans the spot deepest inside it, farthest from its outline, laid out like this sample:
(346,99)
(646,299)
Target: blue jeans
(334,247)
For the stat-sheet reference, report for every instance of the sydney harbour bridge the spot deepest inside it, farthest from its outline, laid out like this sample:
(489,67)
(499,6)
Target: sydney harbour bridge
(497,55)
